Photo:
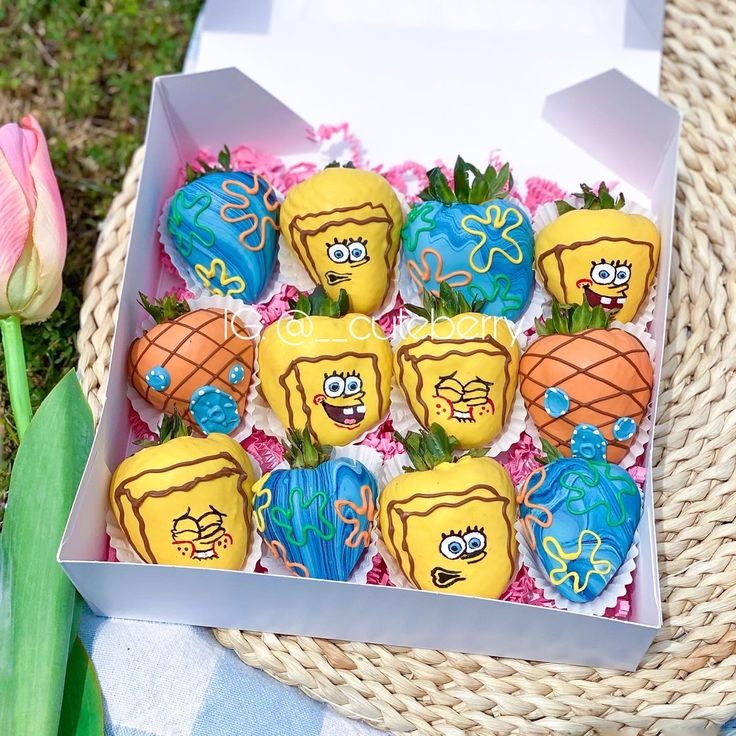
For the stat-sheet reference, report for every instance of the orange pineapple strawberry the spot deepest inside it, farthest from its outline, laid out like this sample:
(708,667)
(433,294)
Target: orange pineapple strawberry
(194,362)
(585,383)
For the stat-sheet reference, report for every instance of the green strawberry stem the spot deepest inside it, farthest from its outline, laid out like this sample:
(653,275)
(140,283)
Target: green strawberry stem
(171,427)
(319,304)
(338,165)
(448,303)
(302,451)
(570,319)
(165,309)
(15,370)
(550,453)
(487,185)
(224,163)
(427,450)
(603,200)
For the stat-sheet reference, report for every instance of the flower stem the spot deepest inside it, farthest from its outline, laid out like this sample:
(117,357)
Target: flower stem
(15,372)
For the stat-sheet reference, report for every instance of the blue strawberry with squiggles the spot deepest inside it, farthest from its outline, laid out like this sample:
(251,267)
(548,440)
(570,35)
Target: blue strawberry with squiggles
(316,516)
(472,237)
(579,517)
(224,226)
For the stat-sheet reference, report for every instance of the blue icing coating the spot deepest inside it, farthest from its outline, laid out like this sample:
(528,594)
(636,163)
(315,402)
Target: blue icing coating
(483,250)
(214,410)
(236,374)
(588,443)
(624,428)
(158,378)
(581,517)
(321,516)
(556,402)
(225,227)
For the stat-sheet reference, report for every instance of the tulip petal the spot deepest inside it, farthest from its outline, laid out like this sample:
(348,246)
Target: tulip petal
(49,230)
(19,145)
(14,232)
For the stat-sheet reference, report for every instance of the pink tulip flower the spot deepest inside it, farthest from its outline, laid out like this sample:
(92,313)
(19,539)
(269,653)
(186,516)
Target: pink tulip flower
(32,225)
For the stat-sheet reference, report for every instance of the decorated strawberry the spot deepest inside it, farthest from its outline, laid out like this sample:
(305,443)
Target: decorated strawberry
(598,254)
(587,386)
(344,225)
(448,522)
(317,515)
(475,237)
(199,363)
(185,500)
(224,228)
(326,369)
(578,516)
(459,368)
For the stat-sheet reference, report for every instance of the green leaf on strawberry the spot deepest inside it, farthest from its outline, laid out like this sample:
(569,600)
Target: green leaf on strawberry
(427,450)
(301,450)
(570,319)
(601,200)
(490,184)
(224,163)
(165,309)
(319,304)
(449,303)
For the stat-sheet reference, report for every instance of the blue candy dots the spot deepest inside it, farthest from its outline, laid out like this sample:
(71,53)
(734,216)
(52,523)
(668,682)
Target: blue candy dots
(158,378)
(214,410)
(588,443)
(556,402)
(624,428)
(236,374)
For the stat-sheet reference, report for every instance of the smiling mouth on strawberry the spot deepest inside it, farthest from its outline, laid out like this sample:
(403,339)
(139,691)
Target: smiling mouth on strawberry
(607,302)
(345,416)
(333,277)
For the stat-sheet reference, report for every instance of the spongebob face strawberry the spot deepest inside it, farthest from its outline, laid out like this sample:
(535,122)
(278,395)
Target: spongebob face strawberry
(326,370)
(224,227)
(317,515)
(458,370)
(473,238)
(586,385)
(449,524)
(344,226)
(195,362)
(186,500)
(599,254)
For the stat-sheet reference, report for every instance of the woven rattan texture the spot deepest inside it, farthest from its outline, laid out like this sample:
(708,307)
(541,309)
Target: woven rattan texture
(690,670)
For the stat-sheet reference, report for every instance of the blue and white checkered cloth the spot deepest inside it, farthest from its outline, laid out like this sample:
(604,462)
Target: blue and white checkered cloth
(169,680)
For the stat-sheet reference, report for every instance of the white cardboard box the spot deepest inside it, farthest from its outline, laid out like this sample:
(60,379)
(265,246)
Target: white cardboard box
(627,133)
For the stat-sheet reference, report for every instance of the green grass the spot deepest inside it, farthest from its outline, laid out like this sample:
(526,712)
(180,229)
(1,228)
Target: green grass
(84,69)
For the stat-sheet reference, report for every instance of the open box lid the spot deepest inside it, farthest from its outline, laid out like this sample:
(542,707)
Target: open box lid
(420,78)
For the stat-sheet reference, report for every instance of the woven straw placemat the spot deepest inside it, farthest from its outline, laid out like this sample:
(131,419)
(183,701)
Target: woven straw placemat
(689,672)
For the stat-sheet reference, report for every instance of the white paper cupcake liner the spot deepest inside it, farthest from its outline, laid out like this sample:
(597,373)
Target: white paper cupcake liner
(644,430)
(250,318)
(546,214)
(372,461)
(615,589)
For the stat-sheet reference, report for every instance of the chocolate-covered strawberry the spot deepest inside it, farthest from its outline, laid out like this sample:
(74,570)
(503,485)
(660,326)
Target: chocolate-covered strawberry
(199,362)
(587,386)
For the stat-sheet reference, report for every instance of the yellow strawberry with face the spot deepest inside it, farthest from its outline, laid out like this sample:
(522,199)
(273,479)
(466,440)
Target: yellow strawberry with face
(598,254)
(186,500)
(326,370)
(344,225)
(459,370)
(449,524)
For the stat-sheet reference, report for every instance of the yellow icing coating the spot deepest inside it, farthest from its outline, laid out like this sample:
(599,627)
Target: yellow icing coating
(331,375)
(186,502)
(606,253)
(451,528)
(345,227)
(460,373)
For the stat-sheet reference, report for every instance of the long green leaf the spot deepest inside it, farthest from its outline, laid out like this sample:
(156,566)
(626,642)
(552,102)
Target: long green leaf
(37,597)
(81,710)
